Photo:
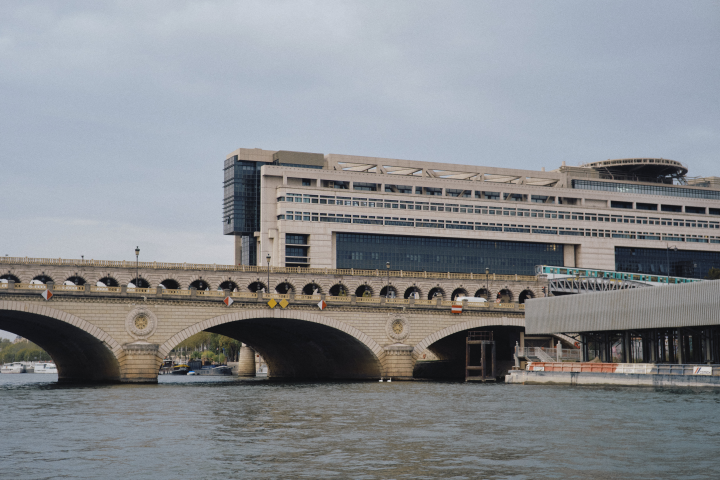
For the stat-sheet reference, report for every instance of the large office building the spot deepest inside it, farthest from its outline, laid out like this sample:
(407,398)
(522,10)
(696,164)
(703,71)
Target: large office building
(640,215)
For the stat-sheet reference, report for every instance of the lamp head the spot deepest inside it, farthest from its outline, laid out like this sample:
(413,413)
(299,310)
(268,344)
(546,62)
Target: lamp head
(137,251)
(268,257)
(487,270)
(387,265)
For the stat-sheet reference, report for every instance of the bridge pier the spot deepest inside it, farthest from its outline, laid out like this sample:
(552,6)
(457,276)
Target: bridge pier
(139,362)
(398,361)
(246,362)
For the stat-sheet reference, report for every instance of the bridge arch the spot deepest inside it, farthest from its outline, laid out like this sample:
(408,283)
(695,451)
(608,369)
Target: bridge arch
(296,343)
(170,284)
(413,290)
(109,281)
(436,292)
(200,284)
(458,292)
(82,351)
(360,291)
(526,294)
(42,278)
(285,287)
(482,292)
(310,288)
(76,280)
(9,276)
(257,286)
(338,290)
(446,348)
(229,285)
(480,322)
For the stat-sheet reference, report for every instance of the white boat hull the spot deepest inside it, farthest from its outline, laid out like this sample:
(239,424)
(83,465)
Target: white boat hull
(13,368)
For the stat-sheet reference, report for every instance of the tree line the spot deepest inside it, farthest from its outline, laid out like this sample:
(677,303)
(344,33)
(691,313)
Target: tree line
(209,346)
(23,351)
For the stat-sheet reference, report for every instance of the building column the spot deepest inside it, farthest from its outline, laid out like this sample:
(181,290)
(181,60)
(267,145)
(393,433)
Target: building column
(246,362)
(626,347)
(680,346)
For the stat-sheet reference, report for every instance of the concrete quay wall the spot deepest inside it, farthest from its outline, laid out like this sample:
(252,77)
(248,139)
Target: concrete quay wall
(524,377)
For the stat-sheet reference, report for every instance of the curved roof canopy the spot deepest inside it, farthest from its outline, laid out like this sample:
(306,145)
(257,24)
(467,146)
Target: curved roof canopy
(640,167)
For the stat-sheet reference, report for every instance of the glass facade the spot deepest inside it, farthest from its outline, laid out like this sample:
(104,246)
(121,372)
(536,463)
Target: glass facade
(683,263)
(666,191)
(241,204)
(370,251)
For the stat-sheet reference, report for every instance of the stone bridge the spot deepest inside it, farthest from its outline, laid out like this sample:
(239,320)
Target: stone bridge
(116,333)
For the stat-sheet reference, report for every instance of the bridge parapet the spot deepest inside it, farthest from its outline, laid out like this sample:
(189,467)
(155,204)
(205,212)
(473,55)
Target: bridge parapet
(104,264)
(246,280)
(247,297)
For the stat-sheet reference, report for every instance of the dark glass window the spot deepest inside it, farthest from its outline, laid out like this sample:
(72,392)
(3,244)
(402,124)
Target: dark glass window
(615,204)
(666,191)
(296,251)
(646,206)
(683,263)
(241,202)
(671,208)
(368,187)
(696,210)
(295,239)
(371,251)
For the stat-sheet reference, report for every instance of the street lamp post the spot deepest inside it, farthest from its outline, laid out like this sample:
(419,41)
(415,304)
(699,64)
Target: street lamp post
(137,260)
(667,252)
(487,283)
(268,262)
(387,290)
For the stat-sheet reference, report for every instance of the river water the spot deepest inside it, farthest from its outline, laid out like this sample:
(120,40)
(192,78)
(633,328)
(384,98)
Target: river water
(191,427)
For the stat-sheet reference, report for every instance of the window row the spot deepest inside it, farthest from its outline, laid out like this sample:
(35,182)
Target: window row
(493,210)
(492,227)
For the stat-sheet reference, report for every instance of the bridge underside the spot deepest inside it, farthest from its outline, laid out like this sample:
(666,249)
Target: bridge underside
(79,356)
(296,349)
(450,352)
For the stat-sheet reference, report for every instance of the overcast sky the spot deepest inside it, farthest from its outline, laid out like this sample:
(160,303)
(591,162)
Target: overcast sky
(115,117)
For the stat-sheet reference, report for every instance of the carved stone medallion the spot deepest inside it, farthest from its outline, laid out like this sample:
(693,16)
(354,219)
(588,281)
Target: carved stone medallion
(397,328)
(140,322)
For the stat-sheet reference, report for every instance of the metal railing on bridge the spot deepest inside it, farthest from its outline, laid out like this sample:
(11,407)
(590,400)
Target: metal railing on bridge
(591,285)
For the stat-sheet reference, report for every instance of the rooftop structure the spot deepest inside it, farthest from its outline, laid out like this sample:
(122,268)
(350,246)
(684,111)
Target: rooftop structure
(343,211)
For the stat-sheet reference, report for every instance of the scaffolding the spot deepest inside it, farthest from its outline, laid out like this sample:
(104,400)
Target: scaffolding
(485,341)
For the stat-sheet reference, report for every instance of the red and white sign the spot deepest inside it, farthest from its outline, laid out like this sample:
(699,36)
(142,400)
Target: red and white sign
(456,309)
(228,301)
(702,371)
(47,294)
(321,304)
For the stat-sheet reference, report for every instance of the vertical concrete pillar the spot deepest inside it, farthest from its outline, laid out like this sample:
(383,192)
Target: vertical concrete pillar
(246,362)
(398,361)
(238,249)
(626,347)
(139,362)
(569,256)
(680,346)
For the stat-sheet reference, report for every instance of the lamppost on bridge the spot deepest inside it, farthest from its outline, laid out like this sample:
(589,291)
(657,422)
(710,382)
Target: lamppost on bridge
(137,264)
(387,290)
(667,252)
(268,262)
(487,283)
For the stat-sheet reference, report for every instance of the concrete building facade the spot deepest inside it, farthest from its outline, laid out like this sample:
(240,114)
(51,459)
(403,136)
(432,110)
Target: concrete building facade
(340,211)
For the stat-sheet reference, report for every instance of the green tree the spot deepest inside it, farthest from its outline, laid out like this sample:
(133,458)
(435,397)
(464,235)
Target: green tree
(713,274)
(22,352)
